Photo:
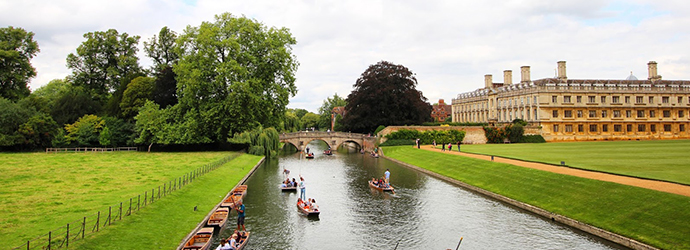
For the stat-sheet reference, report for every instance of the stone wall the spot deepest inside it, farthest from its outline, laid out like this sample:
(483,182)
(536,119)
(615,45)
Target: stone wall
(473,134)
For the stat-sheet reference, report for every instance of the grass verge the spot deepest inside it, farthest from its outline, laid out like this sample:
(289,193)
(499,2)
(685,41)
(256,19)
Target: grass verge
(656,218)
(163,224)
(660,160)
(41,192)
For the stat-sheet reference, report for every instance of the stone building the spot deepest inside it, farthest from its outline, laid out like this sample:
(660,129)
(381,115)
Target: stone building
(582,109)
(441,112)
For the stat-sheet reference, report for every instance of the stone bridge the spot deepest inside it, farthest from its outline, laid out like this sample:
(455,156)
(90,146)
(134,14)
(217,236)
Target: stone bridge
(333,139)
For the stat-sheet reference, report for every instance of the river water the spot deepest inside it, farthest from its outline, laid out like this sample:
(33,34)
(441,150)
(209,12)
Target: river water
(424,212)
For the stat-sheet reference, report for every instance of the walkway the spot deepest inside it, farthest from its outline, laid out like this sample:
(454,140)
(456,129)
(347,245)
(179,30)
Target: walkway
(631,181)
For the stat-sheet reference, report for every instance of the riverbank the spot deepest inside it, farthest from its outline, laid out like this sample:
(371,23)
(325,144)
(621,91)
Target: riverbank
(652,217)
(163,224)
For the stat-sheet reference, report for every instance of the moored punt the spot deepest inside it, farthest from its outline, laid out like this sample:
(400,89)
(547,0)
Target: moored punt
(385,189)
(237,194)
(219,217)
(201,240)
(308,211)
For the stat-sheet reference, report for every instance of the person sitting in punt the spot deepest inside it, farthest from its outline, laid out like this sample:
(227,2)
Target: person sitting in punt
(232,242)
(300,202)
(313,205)
(294,182)
(224,245)
(374,181)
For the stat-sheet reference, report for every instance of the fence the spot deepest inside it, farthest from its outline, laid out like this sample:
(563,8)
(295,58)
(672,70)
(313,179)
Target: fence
(62,150)
(78,229)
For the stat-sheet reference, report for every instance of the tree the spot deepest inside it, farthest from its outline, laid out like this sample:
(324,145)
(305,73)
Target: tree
(310,120)
(73,103)
(12,116)
(105,61)
(291,123)
(300,112)
(85,131)
(165,91)
(161,49)
(385,94)
(121,132)
(233,74)
(150,124)
(326,110)
(17,48)
(39,131)
(137,93)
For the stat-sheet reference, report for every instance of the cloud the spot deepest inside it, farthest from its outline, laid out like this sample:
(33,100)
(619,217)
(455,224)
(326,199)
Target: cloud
(450,45)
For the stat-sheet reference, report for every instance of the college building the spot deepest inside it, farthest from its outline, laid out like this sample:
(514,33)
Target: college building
(565,109)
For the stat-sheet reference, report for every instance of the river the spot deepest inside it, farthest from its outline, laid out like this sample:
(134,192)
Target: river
(424,212)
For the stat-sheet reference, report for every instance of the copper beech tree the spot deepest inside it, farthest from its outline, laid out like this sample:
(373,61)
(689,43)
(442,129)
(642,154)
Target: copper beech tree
(385,94)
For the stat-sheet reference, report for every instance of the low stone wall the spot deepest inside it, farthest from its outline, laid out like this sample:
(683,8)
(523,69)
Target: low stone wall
(619,239)
(473,134)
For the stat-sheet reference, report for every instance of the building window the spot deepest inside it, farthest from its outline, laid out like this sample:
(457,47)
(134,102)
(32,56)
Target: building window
(555,113)
(554,99)
(555,128)
(579,113)
(592,128)
(639,99)
(664,99)
(627,99)
(535,115)
(628,127)
(681,114)
(640,113)
(640,128)
(652,127)
(628,113)
(605,128)
(535,100)
(652,113)
(667,113)
(592,99)
(592,113)
(680,99)
(604,114)
(667,127)
(651,100)
(568,113)
(603,99)
(617,128)
(681,127)
(566,99)
(580,128)
(616,99)
(569,128)
(616,113)
(579,99)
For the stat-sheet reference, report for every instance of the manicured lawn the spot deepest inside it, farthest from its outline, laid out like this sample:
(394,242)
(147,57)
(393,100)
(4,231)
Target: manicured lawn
(656,218)
(661,160)
(163,224)
(41,192)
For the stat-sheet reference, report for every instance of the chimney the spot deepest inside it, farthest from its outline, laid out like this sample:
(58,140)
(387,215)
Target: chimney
(507,77)
(561,71)
(651,68)
(488,81)
(525,74)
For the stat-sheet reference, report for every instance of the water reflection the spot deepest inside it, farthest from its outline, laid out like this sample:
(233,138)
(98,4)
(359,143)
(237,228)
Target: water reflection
(424,213)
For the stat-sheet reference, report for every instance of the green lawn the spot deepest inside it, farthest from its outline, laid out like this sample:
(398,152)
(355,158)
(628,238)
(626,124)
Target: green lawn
(661,160)
(656,218)
(41,192)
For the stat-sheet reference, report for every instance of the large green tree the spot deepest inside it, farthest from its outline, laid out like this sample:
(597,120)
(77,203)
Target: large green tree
(105,62)
(385,94)
(137,93)
(17,48)
(233,74)
(326,110)
(161,49)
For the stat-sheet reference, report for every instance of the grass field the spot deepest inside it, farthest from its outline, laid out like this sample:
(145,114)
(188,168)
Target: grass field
(661,160)
(656,218)
(41,192)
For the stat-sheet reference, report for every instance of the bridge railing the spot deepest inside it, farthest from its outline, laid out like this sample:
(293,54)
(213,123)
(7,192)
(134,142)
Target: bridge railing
(321,134)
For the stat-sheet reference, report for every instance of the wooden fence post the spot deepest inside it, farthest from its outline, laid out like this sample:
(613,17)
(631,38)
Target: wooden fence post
(67,235)
(120,210)
(83,227)
(50,234)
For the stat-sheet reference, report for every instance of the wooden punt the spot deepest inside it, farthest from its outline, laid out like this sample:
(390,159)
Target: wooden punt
(243,240)
(288,189)
(310,156)
(328,152)
(219,217)
(309,211)
(386,189)
(237,194)
(201,240)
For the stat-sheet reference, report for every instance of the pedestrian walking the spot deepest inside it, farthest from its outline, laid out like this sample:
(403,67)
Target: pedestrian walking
(450,146)
(459,146)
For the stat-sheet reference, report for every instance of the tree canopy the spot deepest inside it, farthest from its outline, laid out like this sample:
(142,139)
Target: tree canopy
(327,108)
(385,94)
(17,48)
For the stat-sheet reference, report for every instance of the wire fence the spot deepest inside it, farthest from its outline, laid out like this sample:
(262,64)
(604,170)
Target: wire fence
(64,150)
(63,236)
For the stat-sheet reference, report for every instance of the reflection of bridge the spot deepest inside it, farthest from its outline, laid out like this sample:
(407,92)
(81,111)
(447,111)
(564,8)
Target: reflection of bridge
(333,139)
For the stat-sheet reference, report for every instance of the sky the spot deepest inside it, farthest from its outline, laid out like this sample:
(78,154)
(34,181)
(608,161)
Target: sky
(448,45)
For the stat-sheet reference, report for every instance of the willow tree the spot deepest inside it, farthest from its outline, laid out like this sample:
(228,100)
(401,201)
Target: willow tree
(234,74)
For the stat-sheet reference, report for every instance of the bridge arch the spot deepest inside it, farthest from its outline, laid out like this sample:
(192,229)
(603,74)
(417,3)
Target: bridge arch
(333,139)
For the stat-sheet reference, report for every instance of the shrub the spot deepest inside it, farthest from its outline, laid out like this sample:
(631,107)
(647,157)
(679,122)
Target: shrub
(532,139)
(427,137)
(398,142)
(515,132)
(378,129)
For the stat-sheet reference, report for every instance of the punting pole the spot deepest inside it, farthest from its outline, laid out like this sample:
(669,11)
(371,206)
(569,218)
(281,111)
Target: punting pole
(456,248)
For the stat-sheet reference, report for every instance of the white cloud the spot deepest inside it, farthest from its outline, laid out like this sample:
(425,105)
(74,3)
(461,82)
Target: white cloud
(450,45)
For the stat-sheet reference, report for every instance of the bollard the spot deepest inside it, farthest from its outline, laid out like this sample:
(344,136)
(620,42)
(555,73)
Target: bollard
(562,163)
(492,158)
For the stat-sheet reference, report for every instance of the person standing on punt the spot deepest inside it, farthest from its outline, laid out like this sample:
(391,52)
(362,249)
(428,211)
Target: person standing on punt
(302,188)
(387,174)
(240,215)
